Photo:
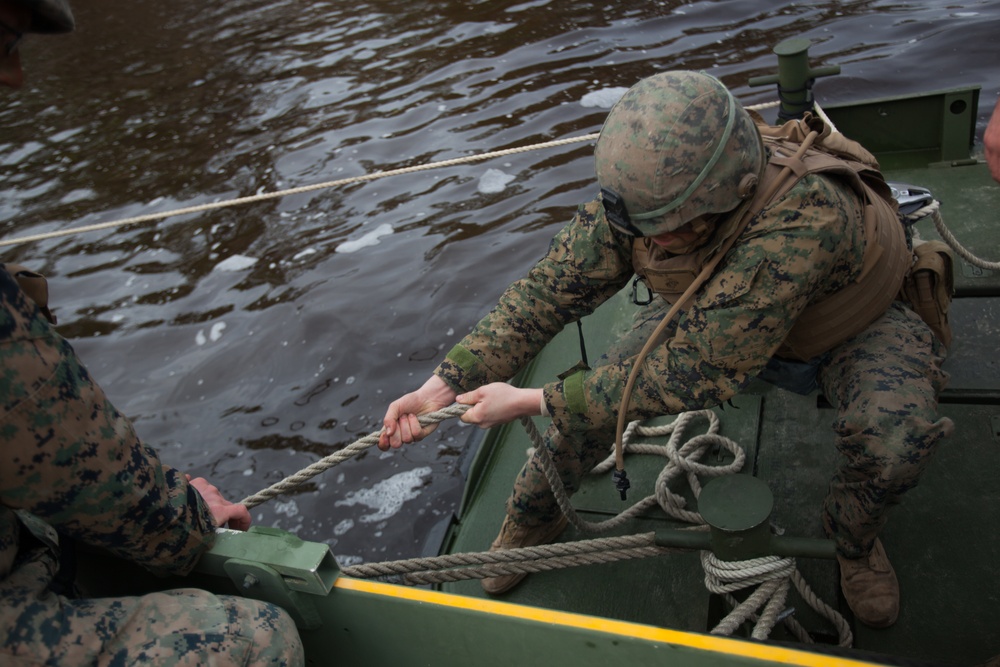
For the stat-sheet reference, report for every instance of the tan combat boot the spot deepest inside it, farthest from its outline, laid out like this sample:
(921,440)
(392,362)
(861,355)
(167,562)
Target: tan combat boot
(513,535)
(870,587)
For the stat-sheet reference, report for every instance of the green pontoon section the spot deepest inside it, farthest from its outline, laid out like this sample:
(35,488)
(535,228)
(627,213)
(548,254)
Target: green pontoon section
(356,623)
(380,624)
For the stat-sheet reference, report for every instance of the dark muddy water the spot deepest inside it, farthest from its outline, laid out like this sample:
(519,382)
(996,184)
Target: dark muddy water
(249,342)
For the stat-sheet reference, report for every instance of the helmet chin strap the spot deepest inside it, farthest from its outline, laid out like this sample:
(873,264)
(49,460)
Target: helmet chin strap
(619,475)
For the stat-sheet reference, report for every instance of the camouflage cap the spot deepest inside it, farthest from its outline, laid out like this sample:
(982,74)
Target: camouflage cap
(677,146)
(49,15)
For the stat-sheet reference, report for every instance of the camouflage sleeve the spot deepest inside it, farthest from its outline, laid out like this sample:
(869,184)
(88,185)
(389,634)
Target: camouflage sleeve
(587,262)
(808,244)
(70,458)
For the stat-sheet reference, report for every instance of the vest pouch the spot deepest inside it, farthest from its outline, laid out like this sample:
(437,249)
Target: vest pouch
(670,278)
(846,313)
(930,285)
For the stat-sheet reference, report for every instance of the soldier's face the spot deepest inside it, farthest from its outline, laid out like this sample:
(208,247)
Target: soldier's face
(688,237)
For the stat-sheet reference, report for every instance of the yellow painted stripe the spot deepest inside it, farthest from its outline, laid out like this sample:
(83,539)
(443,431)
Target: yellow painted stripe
(712,643)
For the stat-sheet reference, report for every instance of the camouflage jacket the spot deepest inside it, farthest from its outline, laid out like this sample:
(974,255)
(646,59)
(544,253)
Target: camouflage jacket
(808,244)
(70,461)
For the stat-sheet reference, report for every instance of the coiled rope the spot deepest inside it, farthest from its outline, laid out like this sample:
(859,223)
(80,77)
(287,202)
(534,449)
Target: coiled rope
(772,575)
(683,460)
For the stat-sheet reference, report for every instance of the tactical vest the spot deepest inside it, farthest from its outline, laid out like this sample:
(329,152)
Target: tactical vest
(832,318)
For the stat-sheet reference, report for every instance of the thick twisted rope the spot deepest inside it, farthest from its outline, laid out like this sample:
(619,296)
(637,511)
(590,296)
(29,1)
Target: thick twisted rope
(772,575)
(480,565)
(933,209)
(294,191)
(292,482)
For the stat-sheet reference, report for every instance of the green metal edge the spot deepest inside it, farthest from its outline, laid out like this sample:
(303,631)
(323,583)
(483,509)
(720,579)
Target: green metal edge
(907,131)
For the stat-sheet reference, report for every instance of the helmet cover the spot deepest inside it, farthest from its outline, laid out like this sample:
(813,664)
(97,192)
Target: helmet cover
(676,147)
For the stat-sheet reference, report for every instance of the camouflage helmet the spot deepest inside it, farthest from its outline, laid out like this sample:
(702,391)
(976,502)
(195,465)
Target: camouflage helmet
(676,147)
(49,15)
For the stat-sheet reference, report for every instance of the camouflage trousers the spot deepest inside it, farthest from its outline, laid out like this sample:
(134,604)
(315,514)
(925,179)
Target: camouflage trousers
(884,385)
(184,627)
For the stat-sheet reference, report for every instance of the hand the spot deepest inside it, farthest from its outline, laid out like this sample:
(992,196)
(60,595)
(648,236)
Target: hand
(499,403)
(236,515)
(992,141)
(400,421)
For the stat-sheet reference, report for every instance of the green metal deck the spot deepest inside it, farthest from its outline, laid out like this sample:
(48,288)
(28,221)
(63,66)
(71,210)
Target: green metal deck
(942,540)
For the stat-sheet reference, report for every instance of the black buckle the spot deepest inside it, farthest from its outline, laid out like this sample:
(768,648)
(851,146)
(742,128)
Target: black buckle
(617,214)
(635,292)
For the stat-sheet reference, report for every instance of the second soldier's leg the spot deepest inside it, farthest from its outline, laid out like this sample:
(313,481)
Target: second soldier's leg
(185,627)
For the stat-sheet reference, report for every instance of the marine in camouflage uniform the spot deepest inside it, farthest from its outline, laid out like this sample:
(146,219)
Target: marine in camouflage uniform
(73,469)
(805,245)
(70,461)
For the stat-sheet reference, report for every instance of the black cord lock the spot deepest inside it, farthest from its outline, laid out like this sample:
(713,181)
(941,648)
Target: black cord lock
(621,482)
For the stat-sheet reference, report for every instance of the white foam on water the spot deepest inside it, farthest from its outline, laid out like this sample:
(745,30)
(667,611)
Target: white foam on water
(289,508)
(77,195)
(604,98)
(216,332)
(235,263)
(304,253)
(369,239)
(494,181)
(343,527)
(348,561)
(387,497)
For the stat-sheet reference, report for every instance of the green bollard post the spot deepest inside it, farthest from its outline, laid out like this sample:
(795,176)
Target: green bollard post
(794,77)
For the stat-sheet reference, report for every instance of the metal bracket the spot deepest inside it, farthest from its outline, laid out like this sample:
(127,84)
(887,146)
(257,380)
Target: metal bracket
(275,566)
(264,583)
